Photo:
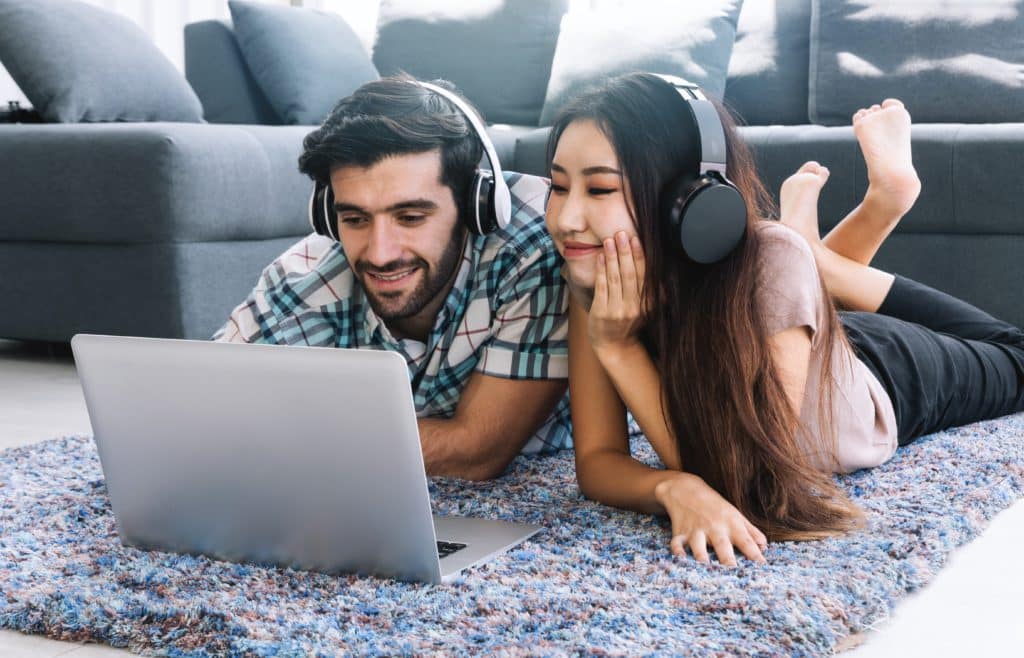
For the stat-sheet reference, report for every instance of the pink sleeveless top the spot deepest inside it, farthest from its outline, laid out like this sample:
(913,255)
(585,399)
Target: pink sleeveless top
(791,296)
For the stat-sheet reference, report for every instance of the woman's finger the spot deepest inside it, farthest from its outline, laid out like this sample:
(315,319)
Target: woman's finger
(627,268)
(600,302)
(611,263)
(639,264)
(678,545)
(748,546)
(699,547)
(723,549)
(762,541)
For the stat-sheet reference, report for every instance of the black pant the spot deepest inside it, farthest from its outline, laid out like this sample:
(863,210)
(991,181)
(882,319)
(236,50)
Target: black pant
(943,362)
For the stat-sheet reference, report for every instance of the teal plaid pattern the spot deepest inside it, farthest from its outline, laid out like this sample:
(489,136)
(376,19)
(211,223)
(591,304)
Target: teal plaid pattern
(505,316)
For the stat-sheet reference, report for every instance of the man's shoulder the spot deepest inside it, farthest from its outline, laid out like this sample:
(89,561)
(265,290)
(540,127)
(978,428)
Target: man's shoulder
(314,272)
(526,236)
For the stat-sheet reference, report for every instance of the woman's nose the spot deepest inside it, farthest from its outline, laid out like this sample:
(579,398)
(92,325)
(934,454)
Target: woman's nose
(569,213)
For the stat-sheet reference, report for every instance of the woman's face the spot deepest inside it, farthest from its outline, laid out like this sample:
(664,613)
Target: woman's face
(590,199)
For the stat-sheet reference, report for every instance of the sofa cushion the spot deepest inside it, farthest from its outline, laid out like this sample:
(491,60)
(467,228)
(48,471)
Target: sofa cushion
(767,78)
(151,182)
(594,45)
(217,71)
(498,54)
(948,61)
(76,62)
(504,137)
(304,60)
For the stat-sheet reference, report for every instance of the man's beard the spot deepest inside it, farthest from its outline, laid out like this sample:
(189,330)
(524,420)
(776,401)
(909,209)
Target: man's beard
(432,283)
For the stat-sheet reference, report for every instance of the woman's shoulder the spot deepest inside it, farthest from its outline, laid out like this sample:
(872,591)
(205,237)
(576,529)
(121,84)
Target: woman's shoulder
(783,247)
(776,235)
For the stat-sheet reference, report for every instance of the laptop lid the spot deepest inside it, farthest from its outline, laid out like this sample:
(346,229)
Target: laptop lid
(302,456)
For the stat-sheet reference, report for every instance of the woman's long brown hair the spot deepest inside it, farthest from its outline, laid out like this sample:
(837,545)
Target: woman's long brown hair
(723,397)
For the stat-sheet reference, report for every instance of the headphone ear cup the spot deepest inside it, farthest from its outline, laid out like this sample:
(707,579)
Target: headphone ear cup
(482,219)
(320,211)
(675,195)
(712,221)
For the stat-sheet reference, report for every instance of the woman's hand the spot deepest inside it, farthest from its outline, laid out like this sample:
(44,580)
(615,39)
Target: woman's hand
(701,517)
(616,313)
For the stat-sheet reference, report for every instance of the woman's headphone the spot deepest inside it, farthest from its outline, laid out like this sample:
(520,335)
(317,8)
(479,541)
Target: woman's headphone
(701,205)
(489,206)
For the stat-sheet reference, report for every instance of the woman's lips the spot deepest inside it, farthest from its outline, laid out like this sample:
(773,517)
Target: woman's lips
(580,249)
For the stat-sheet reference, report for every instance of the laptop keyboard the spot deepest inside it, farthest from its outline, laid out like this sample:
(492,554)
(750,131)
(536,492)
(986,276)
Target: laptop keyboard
(446,548)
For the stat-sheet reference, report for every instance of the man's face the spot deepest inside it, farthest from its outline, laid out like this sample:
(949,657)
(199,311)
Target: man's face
(400,231)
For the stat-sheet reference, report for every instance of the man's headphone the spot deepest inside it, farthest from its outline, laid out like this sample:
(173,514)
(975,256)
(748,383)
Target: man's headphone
(489,206)
(701,205)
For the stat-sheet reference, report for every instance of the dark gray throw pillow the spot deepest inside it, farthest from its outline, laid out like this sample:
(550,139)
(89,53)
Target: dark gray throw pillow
(304,60)
(76,62)
(947,61)
(498,53)
(691,40)
(767,81)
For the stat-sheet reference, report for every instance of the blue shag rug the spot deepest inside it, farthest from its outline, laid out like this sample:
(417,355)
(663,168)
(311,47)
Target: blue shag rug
(596,581)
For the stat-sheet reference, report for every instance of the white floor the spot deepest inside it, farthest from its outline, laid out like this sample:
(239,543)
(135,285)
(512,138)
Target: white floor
(974,607)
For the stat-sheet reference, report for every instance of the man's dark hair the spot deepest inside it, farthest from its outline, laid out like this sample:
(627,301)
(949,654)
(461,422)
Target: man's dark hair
(389,117)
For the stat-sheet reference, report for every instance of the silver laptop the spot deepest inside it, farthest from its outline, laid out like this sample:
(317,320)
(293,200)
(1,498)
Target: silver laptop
(297,456)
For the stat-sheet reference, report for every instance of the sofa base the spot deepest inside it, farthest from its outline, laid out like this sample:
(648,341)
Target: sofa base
(52,291)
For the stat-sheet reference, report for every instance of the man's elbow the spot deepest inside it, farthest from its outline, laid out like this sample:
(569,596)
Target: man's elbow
(484,470)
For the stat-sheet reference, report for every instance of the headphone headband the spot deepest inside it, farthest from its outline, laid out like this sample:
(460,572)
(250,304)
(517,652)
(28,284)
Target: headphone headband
(502,196)
(712,137)
(489,203)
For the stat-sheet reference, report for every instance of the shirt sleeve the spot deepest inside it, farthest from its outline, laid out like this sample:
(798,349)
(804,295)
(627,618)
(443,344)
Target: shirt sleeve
(275,297)
(530,328)
(789,288)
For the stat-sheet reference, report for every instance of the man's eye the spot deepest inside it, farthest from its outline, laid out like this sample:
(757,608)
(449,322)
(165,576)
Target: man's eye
(352,220)
(601,190)
(412,219)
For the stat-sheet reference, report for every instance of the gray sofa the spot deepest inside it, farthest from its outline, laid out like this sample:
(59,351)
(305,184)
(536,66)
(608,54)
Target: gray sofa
(159,229)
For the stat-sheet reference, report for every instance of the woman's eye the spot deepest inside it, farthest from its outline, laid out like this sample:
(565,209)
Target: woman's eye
(557,189)
(601,190)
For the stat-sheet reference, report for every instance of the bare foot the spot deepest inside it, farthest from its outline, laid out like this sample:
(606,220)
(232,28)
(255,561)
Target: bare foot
(883,132)
(798,201)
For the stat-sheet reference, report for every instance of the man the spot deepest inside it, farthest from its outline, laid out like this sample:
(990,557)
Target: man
(480,319)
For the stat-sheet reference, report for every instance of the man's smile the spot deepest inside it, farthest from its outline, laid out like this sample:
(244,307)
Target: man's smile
(390,280)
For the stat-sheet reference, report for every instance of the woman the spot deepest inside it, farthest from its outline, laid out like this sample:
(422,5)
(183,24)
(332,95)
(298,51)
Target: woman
(748,384)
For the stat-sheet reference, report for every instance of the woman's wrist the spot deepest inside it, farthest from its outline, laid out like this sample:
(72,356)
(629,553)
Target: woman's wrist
(664,489)
(613,353)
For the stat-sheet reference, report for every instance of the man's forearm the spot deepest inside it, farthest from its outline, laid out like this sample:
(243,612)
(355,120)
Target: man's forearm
(451,451)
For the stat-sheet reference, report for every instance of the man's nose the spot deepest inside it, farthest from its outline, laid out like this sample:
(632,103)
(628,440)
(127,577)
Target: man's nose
(384,245)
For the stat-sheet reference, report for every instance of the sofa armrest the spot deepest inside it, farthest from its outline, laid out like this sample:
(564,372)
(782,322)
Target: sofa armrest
(151,182)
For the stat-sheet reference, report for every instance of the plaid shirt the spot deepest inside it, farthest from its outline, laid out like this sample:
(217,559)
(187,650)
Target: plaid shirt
(505,315)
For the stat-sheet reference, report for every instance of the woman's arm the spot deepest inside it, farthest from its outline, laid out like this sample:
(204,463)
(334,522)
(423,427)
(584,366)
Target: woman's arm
(613,340)
(605,469)
(791,353)
(638,384)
